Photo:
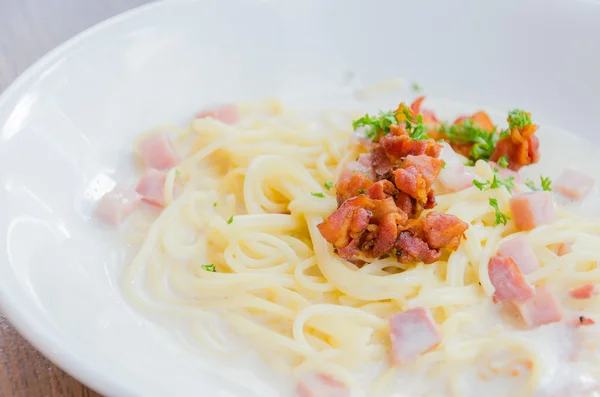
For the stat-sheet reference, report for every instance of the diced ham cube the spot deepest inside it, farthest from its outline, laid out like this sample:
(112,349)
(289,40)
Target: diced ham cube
(152,186)
(454,175)
(508,280)
(413,332)
(321,385)
(574,184)
(542,308)
(586,291)
(228,114)
(116,205)
(560,249)
(156,151)
(519,249)
(533,209)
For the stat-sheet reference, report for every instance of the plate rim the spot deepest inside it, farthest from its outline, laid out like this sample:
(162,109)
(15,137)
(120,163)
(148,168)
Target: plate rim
(28,325)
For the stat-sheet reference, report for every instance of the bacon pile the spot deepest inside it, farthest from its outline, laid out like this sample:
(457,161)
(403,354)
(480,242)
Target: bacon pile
(379,208)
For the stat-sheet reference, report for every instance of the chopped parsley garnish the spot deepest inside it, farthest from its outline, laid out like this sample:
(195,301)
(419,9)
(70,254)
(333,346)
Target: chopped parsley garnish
(484,141)
(209,268)
(328,185)
(416,87)
(500,217)
(375,124)
(215,204)
(503,161)
(496,182)
(414,128)
(361,191)
(443,164)
(531,184)
(320,195)
(177,172)
(518,118)
(384,120)
(230,220)
(545,182)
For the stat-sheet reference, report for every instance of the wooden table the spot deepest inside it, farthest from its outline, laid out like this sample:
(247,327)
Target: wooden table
(29,29)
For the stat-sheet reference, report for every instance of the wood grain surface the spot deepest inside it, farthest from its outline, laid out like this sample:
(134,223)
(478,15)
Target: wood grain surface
(28,30)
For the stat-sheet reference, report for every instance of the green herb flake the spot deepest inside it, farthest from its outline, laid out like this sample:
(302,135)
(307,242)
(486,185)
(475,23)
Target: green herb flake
(546,183)
(500,217)
(209,268)
(320,195)
(503,161)
(496,182)
(443,164)
(361,191)
(518,118)
(376,124)
(177,172)
(328,185)
(230,220)
(215,204)
(484,141)
(531,184)
(416,87)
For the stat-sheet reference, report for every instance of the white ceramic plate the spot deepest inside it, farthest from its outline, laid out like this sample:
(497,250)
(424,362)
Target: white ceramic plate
(67,124)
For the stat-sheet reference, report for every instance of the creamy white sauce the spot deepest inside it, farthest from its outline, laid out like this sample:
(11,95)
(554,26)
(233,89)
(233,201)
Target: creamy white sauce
(555,342)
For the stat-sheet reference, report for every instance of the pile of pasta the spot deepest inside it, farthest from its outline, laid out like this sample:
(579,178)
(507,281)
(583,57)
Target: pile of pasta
(240,239)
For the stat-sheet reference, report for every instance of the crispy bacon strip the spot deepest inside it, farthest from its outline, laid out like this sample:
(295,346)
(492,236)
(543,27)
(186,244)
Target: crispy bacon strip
(416,175)
(345,227)
(521,147)
(426,236)
(352,186)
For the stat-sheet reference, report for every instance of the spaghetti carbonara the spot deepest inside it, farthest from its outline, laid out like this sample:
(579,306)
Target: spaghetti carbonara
(240,195)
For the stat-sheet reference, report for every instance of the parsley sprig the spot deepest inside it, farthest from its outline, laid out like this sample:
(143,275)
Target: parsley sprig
(209,268)
(518,118)
(484,141)
(500,217)
(376,124)
(545,183)
(496,182)
(382,122)
(503,161)
(328,185)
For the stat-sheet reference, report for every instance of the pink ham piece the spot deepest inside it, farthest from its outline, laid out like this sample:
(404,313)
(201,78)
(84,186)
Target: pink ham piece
(542,308)
(454,176)
(227,114)
(156,151)
(152,186)
(586,291)
(533,209)
(519,249)
(116,205)
(413,332)
(321,385)
(508,280)
(573,184)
